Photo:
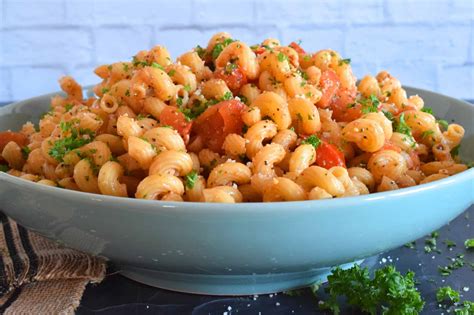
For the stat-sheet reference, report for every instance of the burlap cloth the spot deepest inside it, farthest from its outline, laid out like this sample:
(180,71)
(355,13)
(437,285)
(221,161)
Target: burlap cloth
(37,276)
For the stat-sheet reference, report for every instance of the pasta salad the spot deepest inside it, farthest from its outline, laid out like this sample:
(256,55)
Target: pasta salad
(232,123)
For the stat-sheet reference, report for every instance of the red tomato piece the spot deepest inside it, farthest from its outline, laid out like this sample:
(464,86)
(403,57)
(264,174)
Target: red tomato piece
(328,155)
(329,83)
(298,48)
(7,136)
(171,116)
(218,121)
(343,108)
(234,78)
(414,162)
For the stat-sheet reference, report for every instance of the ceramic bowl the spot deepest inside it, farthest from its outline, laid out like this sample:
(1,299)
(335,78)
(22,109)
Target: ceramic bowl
(247,248)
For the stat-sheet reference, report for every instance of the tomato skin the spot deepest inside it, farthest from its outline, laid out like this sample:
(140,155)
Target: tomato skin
(234,79)
(7,136)
(328,155)
(171,116)
(342,111)
(298,48)
(218,121)
(329,83)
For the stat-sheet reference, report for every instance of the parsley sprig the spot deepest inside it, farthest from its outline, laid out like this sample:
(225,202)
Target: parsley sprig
(313,140)
(77,138)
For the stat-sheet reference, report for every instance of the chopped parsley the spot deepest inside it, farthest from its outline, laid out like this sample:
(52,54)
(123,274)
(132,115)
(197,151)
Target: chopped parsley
(219,47)
(282,57)
(158,66)
(402,126)
(25,151)
(227,96)
(370,104)
(388,290)
(447,294)
(456,263)
(197,109)
(137,62)
(187,88)
(430,243)
(125,67)
(243,99)
(410,245)
(389,115)
(179,101)
(68,107)
(229,68)
(307,57)
(455,150)
(127,93)
(346,61)
(469,243)
(190,179)
(200,51)
(76,139)
(428,110)
(171,72)
(427,133)
(141,116)
(449,243)
(105,90)
(313,140)
(443,123)
(4,168)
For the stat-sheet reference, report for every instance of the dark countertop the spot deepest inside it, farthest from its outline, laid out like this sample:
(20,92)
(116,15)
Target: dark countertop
(119,295)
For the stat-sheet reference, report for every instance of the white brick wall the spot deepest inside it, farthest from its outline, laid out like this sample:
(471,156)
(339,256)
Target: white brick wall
(428,43)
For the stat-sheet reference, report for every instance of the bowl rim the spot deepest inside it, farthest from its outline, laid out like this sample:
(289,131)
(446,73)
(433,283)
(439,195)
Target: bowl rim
(272,206)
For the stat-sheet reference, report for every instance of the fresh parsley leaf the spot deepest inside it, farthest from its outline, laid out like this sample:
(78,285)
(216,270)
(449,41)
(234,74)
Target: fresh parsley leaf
(157,65)
(171,72)
(25,151)
(105,90)
(449,243)
(389,116)
(4,168)
(456,263)
(410,245)
(370,104)
(469,243)
(467,308)
(313,140)
(227,96)
(200,51)
(430,243)
(346,61)
(187,88)
(281,57)
(402,126)
(76,139)
(179,101)
(190,179)
(447,294)
(137,62)
(125,67)
(388,290)
(428,110)
(219,47)
(455,150)
(68,107)
(443,123)
(427,133)
(243,99)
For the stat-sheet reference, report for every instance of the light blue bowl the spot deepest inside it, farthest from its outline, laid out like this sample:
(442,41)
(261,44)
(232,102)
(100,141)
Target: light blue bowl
(248,248)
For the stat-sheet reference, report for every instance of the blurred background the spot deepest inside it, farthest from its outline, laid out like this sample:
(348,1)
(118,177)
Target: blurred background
(427,44)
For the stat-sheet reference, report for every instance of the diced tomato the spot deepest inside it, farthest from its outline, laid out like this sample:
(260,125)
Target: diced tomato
(234,78)
(298,48)
(260,50)
(171,116)
(7,136)
(329,83)
(344,107)
(218,121)
(328,155)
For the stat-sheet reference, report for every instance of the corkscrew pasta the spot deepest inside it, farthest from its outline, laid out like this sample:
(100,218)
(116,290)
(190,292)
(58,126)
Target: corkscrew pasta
(234,123)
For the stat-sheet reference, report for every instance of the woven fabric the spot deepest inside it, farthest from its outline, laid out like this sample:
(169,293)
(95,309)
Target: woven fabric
(38,276)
